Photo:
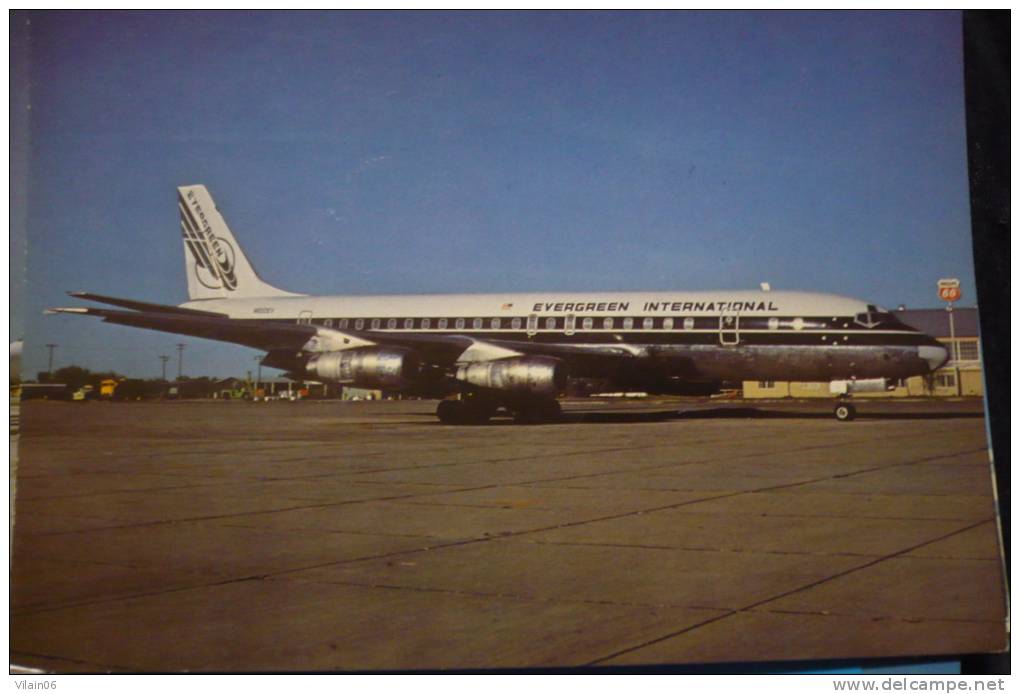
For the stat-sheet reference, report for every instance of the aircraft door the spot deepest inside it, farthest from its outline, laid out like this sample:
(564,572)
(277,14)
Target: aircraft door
(532,325)
(729,329)
(568,325)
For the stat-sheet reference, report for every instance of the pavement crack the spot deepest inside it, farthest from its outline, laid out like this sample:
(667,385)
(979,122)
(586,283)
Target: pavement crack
(752,606)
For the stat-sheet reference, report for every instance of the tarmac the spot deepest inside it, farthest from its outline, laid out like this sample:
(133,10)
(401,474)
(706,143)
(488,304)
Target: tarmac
(322,536)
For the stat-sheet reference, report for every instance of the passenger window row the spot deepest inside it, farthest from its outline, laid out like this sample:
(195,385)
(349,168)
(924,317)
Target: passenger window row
(539,323)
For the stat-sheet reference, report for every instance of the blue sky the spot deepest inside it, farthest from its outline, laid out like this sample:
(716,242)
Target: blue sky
(468,152)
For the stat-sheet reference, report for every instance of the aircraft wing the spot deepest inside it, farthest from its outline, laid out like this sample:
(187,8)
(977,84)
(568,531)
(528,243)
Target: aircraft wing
(463,342)
(463,348)
(446,350)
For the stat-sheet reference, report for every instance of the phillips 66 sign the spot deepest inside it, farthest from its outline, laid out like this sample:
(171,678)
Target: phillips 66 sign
(949,290)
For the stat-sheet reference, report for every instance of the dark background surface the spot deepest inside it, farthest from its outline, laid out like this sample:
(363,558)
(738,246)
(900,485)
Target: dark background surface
(986,69)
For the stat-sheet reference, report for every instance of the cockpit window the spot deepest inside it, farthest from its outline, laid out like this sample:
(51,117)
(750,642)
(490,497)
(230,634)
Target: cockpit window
(875,316)
(868,320)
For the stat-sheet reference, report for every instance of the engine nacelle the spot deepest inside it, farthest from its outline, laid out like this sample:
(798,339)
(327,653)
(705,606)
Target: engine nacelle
(532,375)
(387,368)
(864,385)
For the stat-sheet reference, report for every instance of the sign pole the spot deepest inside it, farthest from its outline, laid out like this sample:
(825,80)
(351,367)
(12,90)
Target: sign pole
(949,291)
(954,350)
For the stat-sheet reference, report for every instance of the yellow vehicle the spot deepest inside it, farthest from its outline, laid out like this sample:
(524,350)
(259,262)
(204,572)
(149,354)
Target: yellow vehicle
(107,387)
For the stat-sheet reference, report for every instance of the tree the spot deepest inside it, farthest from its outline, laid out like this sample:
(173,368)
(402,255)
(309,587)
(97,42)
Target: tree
(74,376)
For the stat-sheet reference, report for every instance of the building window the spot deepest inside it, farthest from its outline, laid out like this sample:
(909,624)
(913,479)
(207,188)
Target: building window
(967,350)
(648,323)
(667,323)
(628,323)
(425,323)
(945,380)
(587,323)
(766,384)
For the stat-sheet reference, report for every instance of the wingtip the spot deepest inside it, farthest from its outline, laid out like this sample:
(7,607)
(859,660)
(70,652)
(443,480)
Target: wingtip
(51,311)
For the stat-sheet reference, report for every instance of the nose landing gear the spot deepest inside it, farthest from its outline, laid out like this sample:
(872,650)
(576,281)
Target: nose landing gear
(844,412)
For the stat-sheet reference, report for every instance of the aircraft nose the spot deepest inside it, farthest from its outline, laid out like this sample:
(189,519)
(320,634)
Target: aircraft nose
(936,355)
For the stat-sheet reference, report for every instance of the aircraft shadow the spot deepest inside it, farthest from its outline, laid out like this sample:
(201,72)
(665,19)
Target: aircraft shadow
(826,413)
(746,413)
(586,417)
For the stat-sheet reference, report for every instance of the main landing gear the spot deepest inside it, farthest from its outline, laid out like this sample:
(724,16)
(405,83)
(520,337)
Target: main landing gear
(537,412)
(464,412)
(479,410)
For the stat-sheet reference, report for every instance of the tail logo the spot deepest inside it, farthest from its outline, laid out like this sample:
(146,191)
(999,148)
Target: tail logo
(214,256)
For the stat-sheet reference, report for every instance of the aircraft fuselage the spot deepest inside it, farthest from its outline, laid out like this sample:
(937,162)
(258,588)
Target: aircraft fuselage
(701,336)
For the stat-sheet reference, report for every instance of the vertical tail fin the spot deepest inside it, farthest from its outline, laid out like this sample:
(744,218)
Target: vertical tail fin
(214,262)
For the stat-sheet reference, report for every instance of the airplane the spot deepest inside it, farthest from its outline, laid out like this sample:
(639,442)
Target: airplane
(481,354)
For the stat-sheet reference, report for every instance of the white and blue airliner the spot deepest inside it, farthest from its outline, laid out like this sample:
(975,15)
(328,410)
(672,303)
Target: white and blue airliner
(517,353)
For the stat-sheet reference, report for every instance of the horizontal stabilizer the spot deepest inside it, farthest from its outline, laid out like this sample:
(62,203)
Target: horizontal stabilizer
(141,305)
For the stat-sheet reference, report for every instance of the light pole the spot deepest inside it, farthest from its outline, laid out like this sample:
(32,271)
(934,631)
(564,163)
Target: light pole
(180,360)
(50,346)
(164,358)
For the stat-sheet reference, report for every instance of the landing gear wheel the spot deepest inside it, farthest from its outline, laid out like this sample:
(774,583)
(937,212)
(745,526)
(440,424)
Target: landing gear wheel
(844,412)
(476,413)
(450,411)
(463,412)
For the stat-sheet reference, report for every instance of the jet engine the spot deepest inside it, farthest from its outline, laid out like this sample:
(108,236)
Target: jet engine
(864,385)
(388,368)
(543,376)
